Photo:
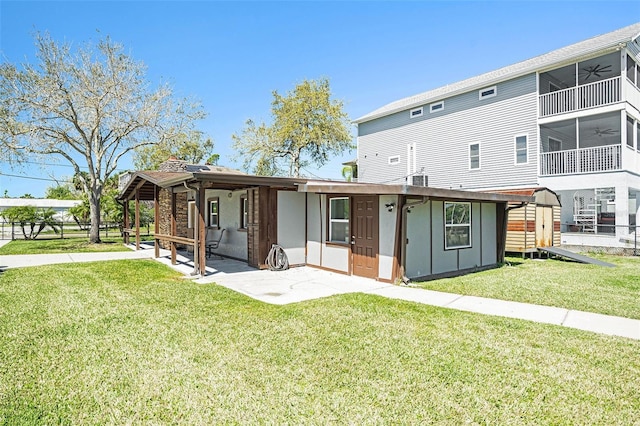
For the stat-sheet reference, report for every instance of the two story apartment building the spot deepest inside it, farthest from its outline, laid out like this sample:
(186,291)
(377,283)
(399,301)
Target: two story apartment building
(568,120)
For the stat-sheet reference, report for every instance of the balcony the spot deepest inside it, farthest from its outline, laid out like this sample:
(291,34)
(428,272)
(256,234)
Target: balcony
(577,161)
(577,98)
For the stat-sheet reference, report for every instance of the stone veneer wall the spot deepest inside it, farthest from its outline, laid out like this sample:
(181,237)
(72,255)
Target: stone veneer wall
(165,215)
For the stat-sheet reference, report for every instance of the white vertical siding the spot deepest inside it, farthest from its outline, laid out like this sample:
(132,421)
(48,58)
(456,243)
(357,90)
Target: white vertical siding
(291,225)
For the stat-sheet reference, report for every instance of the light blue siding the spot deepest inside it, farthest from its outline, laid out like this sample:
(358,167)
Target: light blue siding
(418,252)
(472,257)
(443,260)
(489,231)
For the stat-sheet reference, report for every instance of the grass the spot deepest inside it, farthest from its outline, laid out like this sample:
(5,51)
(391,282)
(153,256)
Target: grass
(130,342)
(62,245)
(610,291)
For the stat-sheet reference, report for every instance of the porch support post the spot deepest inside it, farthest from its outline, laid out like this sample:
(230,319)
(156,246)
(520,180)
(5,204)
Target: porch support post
(137,219)
(174,227)
(126,221)
(398,266)
(198,225)
(622,211)
(156,220)
(201,235)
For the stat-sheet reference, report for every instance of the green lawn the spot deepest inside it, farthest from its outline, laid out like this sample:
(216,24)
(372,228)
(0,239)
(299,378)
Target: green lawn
(61,245)
(610,291)
(130,342)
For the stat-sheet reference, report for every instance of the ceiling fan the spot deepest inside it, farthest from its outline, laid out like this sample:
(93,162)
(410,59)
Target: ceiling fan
(605,132)
(596,70)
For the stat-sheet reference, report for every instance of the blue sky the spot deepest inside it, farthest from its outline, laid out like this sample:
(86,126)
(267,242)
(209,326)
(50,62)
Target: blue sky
(232,55)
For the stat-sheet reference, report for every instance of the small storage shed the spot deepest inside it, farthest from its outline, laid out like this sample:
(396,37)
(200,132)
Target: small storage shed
(533,225)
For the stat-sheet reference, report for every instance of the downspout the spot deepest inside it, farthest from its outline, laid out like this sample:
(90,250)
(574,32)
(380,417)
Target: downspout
(403,245)
(196,232)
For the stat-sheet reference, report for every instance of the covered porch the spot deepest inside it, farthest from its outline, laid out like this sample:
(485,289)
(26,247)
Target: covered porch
(590,144)
(191,210)
(591,83)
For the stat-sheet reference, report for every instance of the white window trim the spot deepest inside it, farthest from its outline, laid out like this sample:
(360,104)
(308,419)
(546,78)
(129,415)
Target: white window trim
(486,89)
(551,138)
(191,213)
(421,111)
(633,131)
(332,221)
(479,155)
(210,201)
(466,225)
(515,149)
(244,212)
(436,105)
(394,160)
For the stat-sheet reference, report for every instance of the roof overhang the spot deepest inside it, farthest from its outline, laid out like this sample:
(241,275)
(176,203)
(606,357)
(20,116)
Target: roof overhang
(145,184)
(321,187)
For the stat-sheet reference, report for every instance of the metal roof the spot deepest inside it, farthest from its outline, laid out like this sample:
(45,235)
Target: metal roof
(146,182)
(329,187)
(568,54)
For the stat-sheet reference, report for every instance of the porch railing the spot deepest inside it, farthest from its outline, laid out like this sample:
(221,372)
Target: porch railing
(585,160)
(599,93)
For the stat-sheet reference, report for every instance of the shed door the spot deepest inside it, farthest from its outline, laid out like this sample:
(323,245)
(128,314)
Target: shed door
(544,226)
(365,236)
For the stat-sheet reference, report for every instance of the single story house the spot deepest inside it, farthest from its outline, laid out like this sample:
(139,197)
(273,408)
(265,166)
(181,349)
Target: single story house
(380,231)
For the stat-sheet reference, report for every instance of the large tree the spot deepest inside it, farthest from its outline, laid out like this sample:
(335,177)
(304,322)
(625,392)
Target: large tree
(307,127)
(88,106)
(186,146)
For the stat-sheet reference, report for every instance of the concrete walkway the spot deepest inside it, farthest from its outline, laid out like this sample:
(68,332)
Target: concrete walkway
(306,283)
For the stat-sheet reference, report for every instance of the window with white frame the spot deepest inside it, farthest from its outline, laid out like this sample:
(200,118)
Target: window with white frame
(416,112)
(214,212)
(244,212)
(555,145)
(521,149)
(474,156)
(435,107)
(191,214)
(457,225)
(489,92)
(631,69)
(394,159)
(630,131)
(339,220)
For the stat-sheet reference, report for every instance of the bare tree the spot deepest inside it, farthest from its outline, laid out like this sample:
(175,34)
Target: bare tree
(88,106)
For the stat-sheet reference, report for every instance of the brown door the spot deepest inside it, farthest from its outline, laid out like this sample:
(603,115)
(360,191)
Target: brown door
(365,236)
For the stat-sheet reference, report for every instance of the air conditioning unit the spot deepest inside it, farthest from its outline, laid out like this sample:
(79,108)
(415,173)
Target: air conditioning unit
(419,180)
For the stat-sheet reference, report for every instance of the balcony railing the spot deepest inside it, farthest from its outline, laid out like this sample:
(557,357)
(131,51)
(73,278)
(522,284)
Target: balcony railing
(585,160)
(599,93)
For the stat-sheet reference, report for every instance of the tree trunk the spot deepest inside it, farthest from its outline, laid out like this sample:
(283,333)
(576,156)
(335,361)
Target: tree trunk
(94,207)
(296,165)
